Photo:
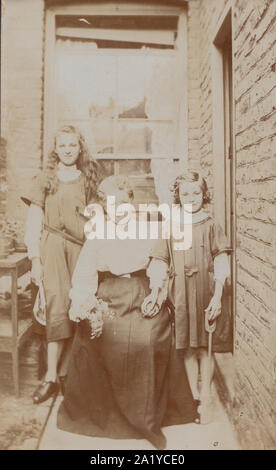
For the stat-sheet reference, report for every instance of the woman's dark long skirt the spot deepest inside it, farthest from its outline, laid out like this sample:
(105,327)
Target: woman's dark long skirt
(129,382)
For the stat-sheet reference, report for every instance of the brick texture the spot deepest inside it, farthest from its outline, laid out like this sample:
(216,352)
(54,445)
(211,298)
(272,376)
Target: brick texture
(254,47)
(22,90)
(3,177)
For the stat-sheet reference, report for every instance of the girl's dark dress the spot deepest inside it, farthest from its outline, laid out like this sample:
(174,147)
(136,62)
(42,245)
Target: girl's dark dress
(59,256)
(192,286)
(129,382)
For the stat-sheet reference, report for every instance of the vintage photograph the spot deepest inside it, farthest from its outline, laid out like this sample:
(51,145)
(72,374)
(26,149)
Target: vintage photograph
(137,225)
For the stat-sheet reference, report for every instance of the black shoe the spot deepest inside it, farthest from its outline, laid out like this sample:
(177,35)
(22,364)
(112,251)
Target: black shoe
(62,381)
(44,391)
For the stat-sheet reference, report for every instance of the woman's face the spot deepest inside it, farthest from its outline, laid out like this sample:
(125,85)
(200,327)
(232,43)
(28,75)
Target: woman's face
(67,148)
(191,193)
(120,196)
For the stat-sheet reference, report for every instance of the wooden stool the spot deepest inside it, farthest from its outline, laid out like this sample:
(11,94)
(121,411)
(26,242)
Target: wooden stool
(13,332)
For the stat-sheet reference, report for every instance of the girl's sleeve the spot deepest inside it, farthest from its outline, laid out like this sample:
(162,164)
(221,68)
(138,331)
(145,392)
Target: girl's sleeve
(33,231)
(160,251)
(36,193)
(220,251)
(85,277)
(218,241)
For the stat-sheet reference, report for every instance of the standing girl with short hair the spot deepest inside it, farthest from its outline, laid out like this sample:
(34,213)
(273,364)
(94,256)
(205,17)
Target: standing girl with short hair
(198,276)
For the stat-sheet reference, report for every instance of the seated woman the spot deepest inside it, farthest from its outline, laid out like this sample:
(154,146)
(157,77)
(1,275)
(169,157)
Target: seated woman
(127,382)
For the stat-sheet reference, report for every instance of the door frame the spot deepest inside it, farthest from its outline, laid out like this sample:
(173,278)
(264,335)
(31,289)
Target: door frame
(217,65)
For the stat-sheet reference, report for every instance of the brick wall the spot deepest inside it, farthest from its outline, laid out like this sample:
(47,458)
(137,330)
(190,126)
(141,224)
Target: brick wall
(22,84)
(255,95)
(254,76)
(3,176)
(193,62)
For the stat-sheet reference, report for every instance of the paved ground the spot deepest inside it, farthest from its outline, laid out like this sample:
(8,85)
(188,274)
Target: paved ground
(217,435)
(21,421)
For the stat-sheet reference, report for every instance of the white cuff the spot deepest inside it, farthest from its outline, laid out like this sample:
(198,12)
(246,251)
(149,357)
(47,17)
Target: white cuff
(33,231)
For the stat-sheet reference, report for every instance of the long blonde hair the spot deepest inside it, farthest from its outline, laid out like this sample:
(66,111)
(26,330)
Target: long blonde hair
(85,163)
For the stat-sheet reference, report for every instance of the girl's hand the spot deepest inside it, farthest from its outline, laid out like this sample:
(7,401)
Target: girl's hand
(214,308)
(150,307)
(36,271)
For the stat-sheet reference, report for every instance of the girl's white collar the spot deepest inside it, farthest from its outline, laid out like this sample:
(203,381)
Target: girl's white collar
(67,173)
(199,216)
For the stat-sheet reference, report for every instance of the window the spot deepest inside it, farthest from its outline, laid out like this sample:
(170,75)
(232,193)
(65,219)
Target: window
(124,98)
(115,75)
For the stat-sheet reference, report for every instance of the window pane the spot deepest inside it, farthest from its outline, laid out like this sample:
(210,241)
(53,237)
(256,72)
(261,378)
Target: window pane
(145,137)
(161,91)
(115,32)
(146,87)
(86,91)
(133,167)
(125,104)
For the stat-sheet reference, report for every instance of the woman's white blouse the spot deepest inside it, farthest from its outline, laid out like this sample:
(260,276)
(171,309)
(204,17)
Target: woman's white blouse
(123,257)
(116,256)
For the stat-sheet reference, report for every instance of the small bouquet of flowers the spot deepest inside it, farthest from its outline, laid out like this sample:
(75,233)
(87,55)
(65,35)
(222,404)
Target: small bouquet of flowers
(95,310)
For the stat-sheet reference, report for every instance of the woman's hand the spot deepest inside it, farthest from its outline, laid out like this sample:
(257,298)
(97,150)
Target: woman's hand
(150,307)
(36,271)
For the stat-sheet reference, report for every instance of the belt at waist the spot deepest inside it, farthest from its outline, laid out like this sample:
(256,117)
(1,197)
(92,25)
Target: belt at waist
(108,275)
(63,234)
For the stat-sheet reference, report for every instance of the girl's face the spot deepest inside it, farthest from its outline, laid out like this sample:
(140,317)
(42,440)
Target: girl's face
(67,148)
(191,193)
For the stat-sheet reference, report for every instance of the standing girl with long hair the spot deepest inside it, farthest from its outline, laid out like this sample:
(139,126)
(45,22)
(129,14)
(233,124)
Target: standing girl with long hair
(54,236)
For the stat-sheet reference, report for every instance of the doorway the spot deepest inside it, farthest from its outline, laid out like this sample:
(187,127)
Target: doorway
(223,141)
